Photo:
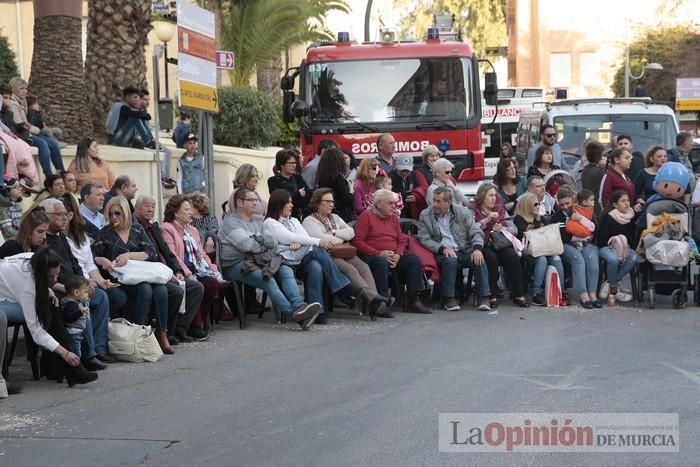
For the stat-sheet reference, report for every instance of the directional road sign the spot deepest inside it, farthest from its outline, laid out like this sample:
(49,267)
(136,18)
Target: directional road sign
(196,70)
(225,60)
(688,94)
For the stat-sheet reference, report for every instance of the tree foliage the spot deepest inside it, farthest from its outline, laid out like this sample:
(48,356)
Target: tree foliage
(8,64)
(481,22)
(248,118)
(257,31)
(676,48)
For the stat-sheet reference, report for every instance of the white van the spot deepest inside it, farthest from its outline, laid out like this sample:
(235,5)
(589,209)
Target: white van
(646,122)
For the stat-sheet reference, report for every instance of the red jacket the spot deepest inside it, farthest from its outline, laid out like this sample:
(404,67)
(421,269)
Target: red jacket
(612,182)
(374,234)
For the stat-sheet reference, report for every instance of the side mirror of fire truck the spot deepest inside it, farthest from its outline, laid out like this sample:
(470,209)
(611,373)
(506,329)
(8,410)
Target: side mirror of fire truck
(288,98)
(490,88)
(300,109)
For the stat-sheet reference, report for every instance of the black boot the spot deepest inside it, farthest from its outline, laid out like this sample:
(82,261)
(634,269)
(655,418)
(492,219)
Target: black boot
(79,375)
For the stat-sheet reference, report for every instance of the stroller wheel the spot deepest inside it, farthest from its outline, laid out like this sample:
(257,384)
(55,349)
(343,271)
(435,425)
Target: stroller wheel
(679,298)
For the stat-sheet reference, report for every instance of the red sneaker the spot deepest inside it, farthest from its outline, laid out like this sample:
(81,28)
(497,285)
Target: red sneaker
(564,301)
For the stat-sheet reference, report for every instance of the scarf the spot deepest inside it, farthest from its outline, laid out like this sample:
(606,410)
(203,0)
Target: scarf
(328,222)
(622,218)
(194,257)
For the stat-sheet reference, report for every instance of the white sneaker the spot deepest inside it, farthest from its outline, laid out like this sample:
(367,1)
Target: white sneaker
(604,290)
(623,297)
(3,390)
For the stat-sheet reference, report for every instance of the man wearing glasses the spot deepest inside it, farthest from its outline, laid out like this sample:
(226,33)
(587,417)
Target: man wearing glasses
(548,137)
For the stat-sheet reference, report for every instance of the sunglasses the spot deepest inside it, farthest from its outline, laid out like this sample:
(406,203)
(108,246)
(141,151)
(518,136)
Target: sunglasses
(448,172)
(537,205)
(550,135)
(115,214)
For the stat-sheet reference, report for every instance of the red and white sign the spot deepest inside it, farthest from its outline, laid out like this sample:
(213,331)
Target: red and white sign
(225,60)
(502,112)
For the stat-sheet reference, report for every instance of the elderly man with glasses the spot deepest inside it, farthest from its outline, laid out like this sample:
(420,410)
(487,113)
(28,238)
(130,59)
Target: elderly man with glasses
(548,137)
(450,232)
(382,245)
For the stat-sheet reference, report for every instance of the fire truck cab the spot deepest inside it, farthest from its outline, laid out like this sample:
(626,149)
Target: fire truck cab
(422,93)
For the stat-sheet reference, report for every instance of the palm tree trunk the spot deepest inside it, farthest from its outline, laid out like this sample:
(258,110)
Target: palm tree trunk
(57,77)
(268,78)
(117,34)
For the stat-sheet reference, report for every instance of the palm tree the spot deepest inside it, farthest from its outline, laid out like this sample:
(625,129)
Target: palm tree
(117,34)
(259,31)
(57,65)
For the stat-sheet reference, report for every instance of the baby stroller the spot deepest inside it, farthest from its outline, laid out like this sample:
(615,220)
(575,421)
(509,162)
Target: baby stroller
(666,270)
(556,179)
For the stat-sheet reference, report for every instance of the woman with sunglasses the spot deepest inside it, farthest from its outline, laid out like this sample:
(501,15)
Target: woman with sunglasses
(442,176)
(527,217)
(364,184)
(118,242)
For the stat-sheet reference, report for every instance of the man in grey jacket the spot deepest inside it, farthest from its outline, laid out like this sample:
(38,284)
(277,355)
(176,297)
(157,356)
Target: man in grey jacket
(241,237)
(450,232)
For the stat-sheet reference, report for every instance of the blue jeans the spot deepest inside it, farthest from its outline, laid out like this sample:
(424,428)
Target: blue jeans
(97,322)
(448,273)
(615,270)
(145,295)
(76,342)
(165,163)
(584,267)
(540,270)
(286,302)
(13,312)
(49,151)
(133,126)
(319,268)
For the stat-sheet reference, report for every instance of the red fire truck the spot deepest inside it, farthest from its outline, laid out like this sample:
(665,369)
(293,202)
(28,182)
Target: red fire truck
(421,93)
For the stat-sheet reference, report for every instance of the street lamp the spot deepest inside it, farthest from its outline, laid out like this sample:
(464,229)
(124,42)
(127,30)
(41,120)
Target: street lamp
(165,31)
(628,72)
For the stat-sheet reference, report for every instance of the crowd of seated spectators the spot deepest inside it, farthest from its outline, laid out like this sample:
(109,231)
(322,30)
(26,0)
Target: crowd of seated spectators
(363,236)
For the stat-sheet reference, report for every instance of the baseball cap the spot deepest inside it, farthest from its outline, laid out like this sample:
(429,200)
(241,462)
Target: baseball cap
(191,137)
(404,163)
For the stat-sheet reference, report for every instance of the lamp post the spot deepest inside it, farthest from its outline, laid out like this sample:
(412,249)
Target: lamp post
(628,72)
(165,31)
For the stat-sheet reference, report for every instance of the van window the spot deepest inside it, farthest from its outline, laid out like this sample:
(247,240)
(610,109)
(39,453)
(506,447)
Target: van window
(646,130)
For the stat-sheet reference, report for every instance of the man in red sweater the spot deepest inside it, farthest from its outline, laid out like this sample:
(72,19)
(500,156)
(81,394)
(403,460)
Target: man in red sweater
(381,244)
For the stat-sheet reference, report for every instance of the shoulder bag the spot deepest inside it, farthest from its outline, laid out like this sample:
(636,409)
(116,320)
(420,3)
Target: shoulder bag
(134,272)
(343,251)
(545,241)
(130,342)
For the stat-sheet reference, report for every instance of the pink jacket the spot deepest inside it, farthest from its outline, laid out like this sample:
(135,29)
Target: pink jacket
(173,233)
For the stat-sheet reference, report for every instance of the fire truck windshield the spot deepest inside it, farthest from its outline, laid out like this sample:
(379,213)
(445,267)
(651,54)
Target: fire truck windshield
(391,90)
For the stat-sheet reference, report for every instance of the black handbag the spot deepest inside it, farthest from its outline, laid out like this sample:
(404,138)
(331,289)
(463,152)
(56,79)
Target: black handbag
(498,241)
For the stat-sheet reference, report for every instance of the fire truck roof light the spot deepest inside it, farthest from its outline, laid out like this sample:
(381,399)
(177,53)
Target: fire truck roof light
(343,37)
(433,33)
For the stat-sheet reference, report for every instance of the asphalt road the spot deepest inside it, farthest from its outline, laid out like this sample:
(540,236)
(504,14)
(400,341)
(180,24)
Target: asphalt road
(357,392)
